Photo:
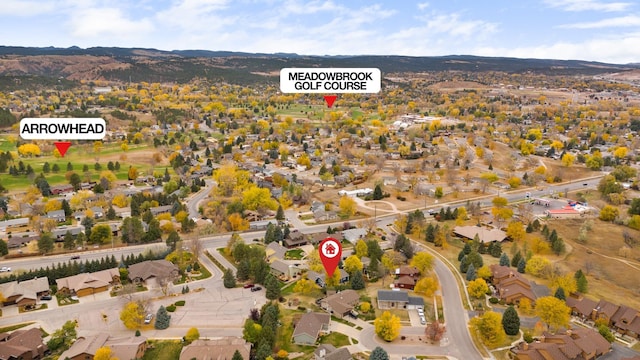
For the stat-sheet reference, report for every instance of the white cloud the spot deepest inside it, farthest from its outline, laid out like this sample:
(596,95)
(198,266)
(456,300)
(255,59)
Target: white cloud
(26,8)
(622,21)
(422,6)
(310,7)
(620,49)
(195,15)
(98,22)
(448,24)
(588,5)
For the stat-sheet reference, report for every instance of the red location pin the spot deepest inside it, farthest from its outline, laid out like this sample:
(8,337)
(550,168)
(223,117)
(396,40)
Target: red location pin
(330,254)
(62,147)
(330,99)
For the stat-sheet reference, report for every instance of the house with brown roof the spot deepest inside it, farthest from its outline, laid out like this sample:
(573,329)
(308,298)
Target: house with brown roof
(604,310)
(123,348)
(574,344)
(340,303)
(310,326)
(218,349)
(329,352)
(511,285)
(485,235)
(152,270)
(406,277)
(22,345)
(89,283)
(24,293)
(581,307)
(626,321)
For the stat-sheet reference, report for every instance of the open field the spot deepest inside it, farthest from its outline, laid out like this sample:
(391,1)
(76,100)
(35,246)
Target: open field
(611,276)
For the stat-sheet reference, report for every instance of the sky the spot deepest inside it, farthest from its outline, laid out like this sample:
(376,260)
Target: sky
(595,30)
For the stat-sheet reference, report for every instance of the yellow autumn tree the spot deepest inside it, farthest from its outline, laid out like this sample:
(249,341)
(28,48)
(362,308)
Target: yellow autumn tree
(104,353)
(29,150)
(132,315)
(387,326)
(427,286)
(347,207)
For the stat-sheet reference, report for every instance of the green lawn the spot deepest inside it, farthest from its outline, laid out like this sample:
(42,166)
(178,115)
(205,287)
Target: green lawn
(295,254)
(335,339)
(285,333)
(14,327)
(163,350)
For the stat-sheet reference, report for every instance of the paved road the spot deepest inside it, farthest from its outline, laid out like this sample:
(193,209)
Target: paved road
(193,202)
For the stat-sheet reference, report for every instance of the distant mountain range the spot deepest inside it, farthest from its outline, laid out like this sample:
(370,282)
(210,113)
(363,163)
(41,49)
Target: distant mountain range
(139,64)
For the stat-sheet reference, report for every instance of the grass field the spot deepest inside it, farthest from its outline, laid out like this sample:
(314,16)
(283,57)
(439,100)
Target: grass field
(79,155)
(163,350)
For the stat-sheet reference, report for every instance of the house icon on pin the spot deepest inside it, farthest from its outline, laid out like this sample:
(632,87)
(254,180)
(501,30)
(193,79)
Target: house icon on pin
(330,249)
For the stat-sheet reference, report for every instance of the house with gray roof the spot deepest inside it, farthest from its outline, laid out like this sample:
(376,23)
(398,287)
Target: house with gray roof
(57,215)
(329,352)
(396,299)
(310,326)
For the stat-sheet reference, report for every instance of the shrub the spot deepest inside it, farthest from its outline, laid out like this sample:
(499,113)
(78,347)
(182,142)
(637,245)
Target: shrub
(493,300)
(180,303)
(171,308)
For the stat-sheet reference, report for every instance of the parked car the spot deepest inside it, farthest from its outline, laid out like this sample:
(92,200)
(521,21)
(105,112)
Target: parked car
(256,288)
(5,269)
(247,286)
(148,318)
(75,257)
(46,297)
(423,321)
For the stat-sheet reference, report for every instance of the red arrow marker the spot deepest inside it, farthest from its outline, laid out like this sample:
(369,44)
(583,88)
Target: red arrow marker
(330,99)
(62,146)
(330,254)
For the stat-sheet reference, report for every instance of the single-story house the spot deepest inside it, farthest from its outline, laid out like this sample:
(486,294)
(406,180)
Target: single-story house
(310,326)
(218,349)
(485,234)
(5,224)
(123,348)
(60,231)
(57,215)
(157,210)
(275,251)
(396,299)
(153,269)
(22,345)
(329,352)
(24,293)
(355,234)
(89,283)
(340,303)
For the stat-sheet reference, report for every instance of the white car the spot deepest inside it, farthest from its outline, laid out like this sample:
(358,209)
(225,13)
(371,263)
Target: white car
(147,319)
(5,269)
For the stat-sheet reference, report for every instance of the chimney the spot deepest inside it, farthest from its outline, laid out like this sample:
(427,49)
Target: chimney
(525,346)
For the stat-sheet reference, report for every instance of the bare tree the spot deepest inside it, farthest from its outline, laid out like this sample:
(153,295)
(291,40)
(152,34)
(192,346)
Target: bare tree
(164,281)
(196,245)
(127,291)
(435,331)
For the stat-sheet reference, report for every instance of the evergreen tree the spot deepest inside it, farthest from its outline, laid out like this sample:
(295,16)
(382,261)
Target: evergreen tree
(111,213)
(229,280)
(173,239)
(55,168)
(4,249)
(162,318)
(516,259)
(66,207)
(557,246)
(521,265)
(471,273)
(581,281)
(69,166)
(560,294)
(263,351)
(529,229)
(379,354)
(460,255)
(69,243)
(46,168)
(243,270)
(377,193)
(357,281)
(272,287)
(467,248)
(236,354)
(496,250)
(430,233)
(504,259)
(280,213)
(511,321)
